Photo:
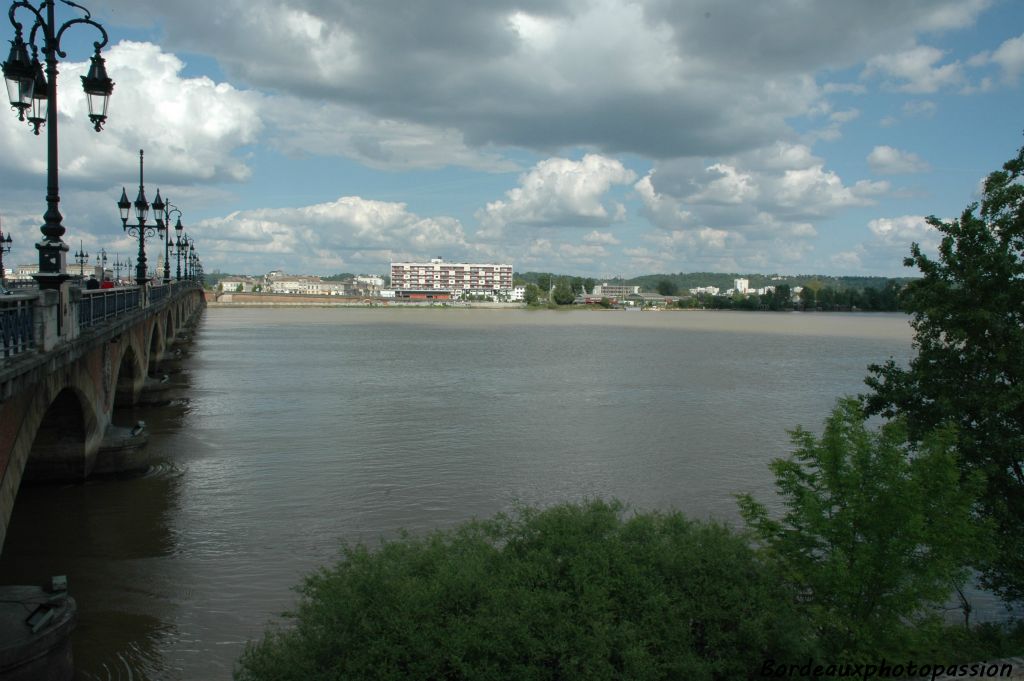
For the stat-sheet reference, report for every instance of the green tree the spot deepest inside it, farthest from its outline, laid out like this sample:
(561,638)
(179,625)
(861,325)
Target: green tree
(563,295)
(968,320)
(570,592)
(874,534)
(808,297)
(532,294)
(544,282)
(667,287)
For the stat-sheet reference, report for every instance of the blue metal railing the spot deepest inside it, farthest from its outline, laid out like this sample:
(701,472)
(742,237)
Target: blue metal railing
(17,324)
(102,304)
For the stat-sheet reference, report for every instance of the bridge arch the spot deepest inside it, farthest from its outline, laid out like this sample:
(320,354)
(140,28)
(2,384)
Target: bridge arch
(61,438)
(156,347)
(128,377)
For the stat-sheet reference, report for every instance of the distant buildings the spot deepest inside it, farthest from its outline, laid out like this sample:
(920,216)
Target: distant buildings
(614,291)
(440,280)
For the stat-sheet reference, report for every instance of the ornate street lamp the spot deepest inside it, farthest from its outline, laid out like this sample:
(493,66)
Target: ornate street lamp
(33,92)
(164,221)
(140,229)
(101,260)
(179,243)
(119,265)
(81,257)
(5,247)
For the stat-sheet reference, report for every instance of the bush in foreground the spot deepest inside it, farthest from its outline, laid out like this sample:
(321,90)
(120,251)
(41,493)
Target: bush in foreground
(571,592)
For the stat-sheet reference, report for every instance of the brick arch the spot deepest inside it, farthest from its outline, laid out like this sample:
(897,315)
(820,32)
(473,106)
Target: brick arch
(63,431)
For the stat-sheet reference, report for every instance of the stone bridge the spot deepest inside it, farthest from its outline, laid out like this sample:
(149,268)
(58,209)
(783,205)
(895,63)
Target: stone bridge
(70,357)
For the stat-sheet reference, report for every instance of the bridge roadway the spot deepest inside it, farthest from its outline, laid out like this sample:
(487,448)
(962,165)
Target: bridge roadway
(70,357)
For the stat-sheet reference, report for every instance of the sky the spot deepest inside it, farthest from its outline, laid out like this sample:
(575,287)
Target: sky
(596,138)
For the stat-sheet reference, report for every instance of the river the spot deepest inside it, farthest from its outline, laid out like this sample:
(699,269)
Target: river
(297,428)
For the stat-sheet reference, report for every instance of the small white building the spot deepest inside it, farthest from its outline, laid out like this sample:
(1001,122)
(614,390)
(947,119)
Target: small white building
(518,294)
(370,281)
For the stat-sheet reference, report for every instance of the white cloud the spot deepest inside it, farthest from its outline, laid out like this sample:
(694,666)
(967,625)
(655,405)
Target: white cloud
(348,230)
(903,230)
(815,191)
(916,70)
(886,244)
(1010,56)
(190,128)
(596,237)
(727,186)
(559,192)
(886,160)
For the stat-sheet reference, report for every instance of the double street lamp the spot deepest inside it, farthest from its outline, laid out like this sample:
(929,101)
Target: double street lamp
(140,229)
(33,95)
(119,265)
(163,219)
(5,247)
(81,257)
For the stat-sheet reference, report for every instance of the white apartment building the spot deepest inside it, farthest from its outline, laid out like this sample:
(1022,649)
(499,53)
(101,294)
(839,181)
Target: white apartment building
(741,285)
(615,291)
(457,277)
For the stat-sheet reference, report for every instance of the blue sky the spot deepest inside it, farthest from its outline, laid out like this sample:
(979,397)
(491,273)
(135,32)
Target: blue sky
(591,137)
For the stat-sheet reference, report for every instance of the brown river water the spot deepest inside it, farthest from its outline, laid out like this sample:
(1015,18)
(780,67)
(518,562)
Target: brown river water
(296,428)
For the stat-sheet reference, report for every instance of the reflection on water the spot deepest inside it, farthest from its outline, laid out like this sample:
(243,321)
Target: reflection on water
(299,428)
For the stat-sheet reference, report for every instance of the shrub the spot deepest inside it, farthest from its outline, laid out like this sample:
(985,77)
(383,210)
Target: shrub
(571,592)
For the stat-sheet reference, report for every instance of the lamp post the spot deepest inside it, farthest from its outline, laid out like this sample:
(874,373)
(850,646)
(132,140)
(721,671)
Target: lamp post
(119,264)
(29,90)
(140,229)
(101,260)
(164,221)
(179,246)
(186,251)
(5,247)
(192,259)
(81,257)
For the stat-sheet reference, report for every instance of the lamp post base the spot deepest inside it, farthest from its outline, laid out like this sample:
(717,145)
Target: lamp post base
(52,264)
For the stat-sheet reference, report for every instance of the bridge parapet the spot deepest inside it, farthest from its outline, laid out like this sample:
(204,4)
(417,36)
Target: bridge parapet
(16,323)
(34,321)
(99,305)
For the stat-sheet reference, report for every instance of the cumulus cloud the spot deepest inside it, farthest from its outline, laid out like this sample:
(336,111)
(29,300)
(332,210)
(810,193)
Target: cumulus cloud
(191,128)
(759,209)
(560,192)
(916,70)
(1010,56)
(886,244)
(903,230)
(886,160)
(350,231)
(613,76)
(596,237)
